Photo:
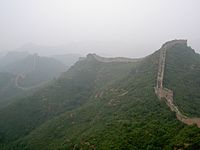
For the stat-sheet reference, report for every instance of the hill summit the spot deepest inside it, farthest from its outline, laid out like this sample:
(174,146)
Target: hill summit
(169,44)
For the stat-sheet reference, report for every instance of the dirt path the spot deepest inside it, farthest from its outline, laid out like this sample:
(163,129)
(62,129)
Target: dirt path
(167,94)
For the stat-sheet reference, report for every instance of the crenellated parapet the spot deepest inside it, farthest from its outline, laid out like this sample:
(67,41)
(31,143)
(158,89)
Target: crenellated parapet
(115,59)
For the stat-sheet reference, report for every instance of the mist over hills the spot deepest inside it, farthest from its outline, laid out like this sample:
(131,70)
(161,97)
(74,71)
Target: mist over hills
(59,53)
(67,59)
(12,57)
(99,75)
(21,73)
(109,103)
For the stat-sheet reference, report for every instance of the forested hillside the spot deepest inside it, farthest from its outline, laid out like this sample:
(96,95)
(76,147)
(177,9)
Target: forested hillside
(183,76)
(22,73)
(8,90)
(102,105)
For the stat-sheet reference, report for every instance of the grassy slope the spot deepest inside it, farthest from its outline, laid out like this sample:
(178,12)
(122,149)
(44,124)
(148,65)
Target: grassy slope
(183,77)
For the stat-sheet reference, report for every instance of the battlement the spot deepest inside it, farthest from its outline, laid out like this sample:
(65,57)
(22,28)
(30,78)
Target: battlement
(115,59)
(174,42)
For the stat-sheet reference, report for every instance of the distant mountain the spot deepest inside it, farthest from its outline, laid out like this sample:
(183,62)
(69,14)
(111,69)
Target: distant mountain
(21,72)
(104,103)
(40,49)
(50,51)
(67,59)
(31,68)
(47,50)
(8,91)
(12,57)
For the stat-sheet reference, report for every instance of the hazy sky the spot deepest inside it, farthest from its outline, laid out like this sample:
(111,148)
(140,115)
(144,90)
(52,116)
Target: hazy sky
(108,27)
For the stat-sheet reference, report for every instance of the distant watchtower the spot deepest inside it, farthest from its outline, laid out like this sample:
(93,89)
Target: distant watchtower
(169,44)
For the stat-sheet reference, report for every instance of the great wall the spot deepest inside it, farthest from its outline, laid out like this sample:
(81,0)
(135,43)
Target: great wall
(115,59)
(163,93)
(23,76)
(167,94)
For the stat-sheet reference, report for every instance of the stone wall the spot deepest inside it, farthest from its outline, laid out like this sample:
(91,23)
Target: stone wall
(115,59)
(167,94)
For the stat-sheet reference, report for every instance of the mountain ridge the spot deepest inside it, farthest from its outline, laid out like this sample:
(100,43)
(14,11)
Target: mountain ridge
(113,59)
(102,105)
(165,93)
(25,72)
